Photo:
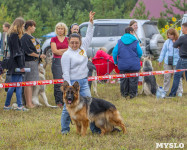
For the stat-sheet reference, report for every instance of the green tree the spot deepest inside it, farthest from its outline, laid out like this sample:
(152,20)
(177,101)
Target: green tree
(47,13)
(106,9)
(68,16)
(34,14)
(17,8)
(179,4)
(82,16)
(4,17)
(51,21)
(140,11)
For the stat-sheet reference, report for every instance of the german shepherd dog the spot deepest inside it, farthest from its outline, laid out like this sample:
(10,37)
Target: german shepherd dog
(149,85)
(83,110)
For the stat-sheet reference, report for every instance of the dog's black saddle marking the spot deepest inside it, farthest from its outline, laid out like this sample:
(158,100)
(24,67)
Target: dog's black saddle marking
(99,105)
(96,105)
(151,80)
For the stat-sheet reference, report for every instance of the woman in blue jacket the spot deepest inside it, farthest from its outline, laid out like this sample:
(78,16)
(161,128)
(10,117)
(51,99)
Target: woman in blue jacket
(170,55)
(127,54)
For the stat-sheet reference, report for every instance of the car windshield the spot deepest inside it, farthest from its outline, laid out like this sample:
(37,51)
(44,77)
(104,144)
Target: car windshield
(150,30)
(105,30)
(83,30)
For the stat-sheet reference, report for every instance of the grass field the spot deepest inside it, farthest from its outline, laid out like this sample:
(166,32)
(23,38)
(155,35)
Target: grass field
(148,121)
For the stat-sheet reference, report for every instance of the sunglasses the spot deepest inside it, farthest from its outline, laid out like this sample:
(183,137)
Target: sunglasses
(73,25)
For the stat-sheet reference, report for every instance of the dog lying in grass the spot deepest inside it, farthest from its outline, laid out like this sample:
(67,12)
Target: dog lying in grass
(149,85)
(83,110)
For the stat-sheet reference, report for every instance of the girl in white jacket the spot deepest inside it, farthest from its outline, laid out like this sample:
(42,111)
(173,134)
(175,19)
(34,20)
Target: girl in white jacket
(74,67)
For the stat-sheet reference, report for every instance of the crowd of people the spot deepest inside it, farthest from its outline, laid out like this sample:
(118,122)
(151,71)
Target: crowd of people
(70,60)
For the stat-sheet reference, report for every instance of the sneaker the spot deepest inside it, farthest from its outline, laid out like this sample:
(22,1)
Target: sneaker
(179,94)
(170,96)
(7,108)
(21,109)
(65,132)
(131,97)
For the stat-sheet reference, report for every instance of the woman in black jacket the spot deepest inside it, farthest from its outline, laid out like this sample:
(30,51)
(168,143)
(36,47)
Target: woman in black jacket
(16,60)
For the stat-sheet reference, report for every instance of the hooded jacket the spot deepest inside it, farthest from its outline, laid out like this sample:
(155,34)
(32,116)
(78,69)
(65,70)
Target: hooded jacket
(169,50)
(127,53)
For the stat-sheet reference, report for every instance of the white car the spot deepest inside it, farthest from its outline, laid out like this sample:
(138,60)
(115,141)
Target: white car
(107,32)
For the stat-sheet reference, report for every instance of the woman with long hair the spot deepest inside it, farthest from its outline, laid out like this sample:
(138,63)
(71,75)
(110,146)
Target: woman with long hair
(170,55)
(16,60)
(134,25)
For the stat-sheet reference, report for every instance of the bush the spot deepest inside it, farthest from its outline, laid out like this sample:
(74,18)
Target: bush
(161,23)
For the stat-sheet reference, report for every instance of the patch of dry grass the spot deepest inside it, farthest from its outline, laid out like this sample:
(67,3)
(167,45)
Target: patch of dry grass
(148,121)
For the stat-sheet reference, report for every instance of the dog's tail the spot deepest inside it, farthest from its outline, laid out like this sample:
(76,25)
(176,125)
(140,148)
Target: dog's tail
(46,101)
(52,106)
(94,83)
(48,105)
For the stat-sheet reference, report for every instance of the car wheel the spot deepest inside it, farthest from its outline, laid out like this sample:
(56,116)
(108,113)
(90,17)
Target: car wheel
(49,54)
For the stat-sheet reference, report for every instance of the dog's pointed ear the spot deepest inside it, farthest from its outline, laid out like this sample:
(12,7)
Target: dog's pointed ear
(64,86)
(76,86)
(142,58)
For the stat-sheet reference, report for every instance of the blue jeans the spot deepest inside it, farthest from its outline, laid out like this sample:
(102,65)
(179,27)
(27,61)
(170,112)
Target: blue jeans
(181,64)
(15,78)
(65,118)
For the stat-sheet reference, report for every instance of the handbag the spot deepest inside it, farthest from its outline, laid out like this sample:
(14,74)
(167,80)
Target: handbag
(5,61)
(1,68)
(170,58)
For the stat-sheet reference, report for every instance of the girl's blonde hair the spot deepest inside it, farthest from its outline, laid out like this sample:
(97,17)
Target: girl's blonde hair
(103,49)
(17,27)
(173,32)
(61,24)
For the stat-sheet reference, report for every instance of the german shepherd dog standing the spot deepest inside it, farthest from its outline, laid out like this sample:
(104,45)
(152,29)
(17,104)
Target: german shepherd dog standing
(149,85)
(83,110)
(40,89)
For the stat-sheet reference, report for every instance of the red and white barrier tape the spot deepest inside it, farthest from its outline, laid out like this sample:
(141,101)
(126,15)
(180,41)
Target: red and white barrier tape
(59,81)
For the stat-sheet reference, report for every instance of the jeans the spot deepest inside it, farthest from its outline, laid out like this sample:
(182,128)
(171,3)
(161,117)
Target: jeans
(57,74)
(167,78)
(65,118)
(181,64)
(15,78)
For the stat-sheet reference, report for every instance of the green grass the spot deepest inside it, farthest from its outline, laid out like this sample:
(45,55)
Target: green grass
(148,121)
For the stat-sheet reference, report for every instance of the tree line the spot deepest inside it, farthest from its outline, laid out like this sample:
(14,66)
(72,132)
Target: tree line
(46,13)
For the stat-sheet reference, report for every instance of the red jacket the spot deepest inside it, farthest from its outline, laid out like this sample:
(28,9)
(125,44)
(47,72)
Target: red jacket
(103,54)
